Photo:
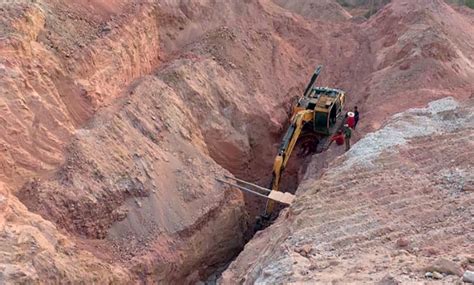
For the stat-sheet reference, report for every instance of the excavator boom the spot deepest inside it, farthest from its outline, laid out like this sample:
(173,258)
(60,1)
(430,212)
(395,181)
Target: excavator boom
(286,148)
(312,81)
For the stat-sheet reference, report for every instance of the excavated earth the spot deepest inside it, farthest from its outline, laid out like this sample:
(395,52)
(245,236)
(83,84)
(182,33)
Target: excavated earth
(118,115)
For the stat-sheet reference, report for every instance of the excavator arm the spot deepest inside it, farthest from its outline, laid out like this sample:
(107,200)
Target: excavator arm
(312,81)
(286,148)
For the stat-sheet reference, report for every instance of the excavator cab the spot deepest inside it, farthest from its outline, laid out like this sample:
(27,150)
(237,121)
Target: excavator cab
(326,104)
(327,109)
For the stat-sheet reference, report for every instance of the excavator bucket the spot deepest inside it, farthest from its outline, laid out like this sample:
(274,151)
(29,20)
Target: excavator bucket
(280,197)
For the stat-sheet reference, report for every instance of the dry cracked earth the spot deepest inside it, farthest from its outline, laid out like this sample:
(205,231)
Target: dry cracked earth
(117,115)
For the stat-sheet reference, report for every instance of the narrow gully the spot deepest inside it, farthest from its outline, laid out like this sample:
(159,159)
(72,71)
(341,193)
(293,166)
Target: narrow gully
(255,205)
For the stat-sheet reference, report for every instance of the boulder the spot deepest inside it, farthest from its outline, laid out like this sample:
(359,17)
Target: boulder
(468,276)
(443,265)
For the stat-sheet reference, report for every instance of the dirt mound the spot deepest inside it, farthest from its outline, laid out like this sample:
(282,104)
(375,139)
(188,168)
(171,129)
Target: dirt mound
(57,63)
(396,202)
(419,56)
(32,250)
(140,177)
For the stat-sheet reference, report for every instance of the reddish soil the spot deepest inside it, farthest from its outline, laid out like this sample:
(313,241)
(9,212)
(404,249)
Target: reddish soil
(117,115)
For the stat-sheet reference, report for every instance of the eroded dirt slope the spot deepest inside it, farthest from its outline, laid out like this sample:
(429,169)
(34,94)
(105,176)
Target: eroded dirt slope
(60,61)
(33,250)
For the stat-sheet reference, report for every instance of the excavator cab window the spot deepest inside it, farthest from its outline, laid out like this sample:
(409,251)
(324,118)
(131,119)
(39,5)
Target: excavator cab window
(333,115)
(311,106)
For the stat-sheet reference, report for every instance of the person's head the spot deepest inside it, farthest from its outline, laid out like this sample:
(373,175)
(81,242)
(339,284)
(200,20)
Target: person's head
(355,108)
(346,125)
(339,131)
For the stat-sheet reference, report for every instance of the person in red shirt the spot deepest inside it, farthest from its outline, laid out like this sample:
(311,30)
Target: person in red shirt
(351,120)
(338,138)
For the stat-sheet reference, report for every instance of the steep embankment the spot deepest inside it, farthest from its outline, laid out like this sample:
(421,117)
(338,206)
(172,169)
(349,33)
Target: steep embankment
(424,51)
(60,61)
(32,250)
(394,206)
(57,64)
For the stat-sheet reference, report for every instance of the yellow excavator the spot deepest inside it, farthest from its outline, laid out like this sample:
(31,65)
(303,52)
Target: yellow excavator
(318,111)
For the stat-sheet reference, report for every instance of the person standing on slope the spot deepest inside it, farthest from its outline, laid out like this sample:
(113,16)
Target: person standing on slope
(347,136)
(356,116)
(351,120)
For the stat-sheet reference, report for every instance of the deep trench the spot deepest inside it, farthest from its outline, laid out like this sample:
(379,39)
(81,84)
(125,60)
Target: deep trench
(255,205)
(290,180)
